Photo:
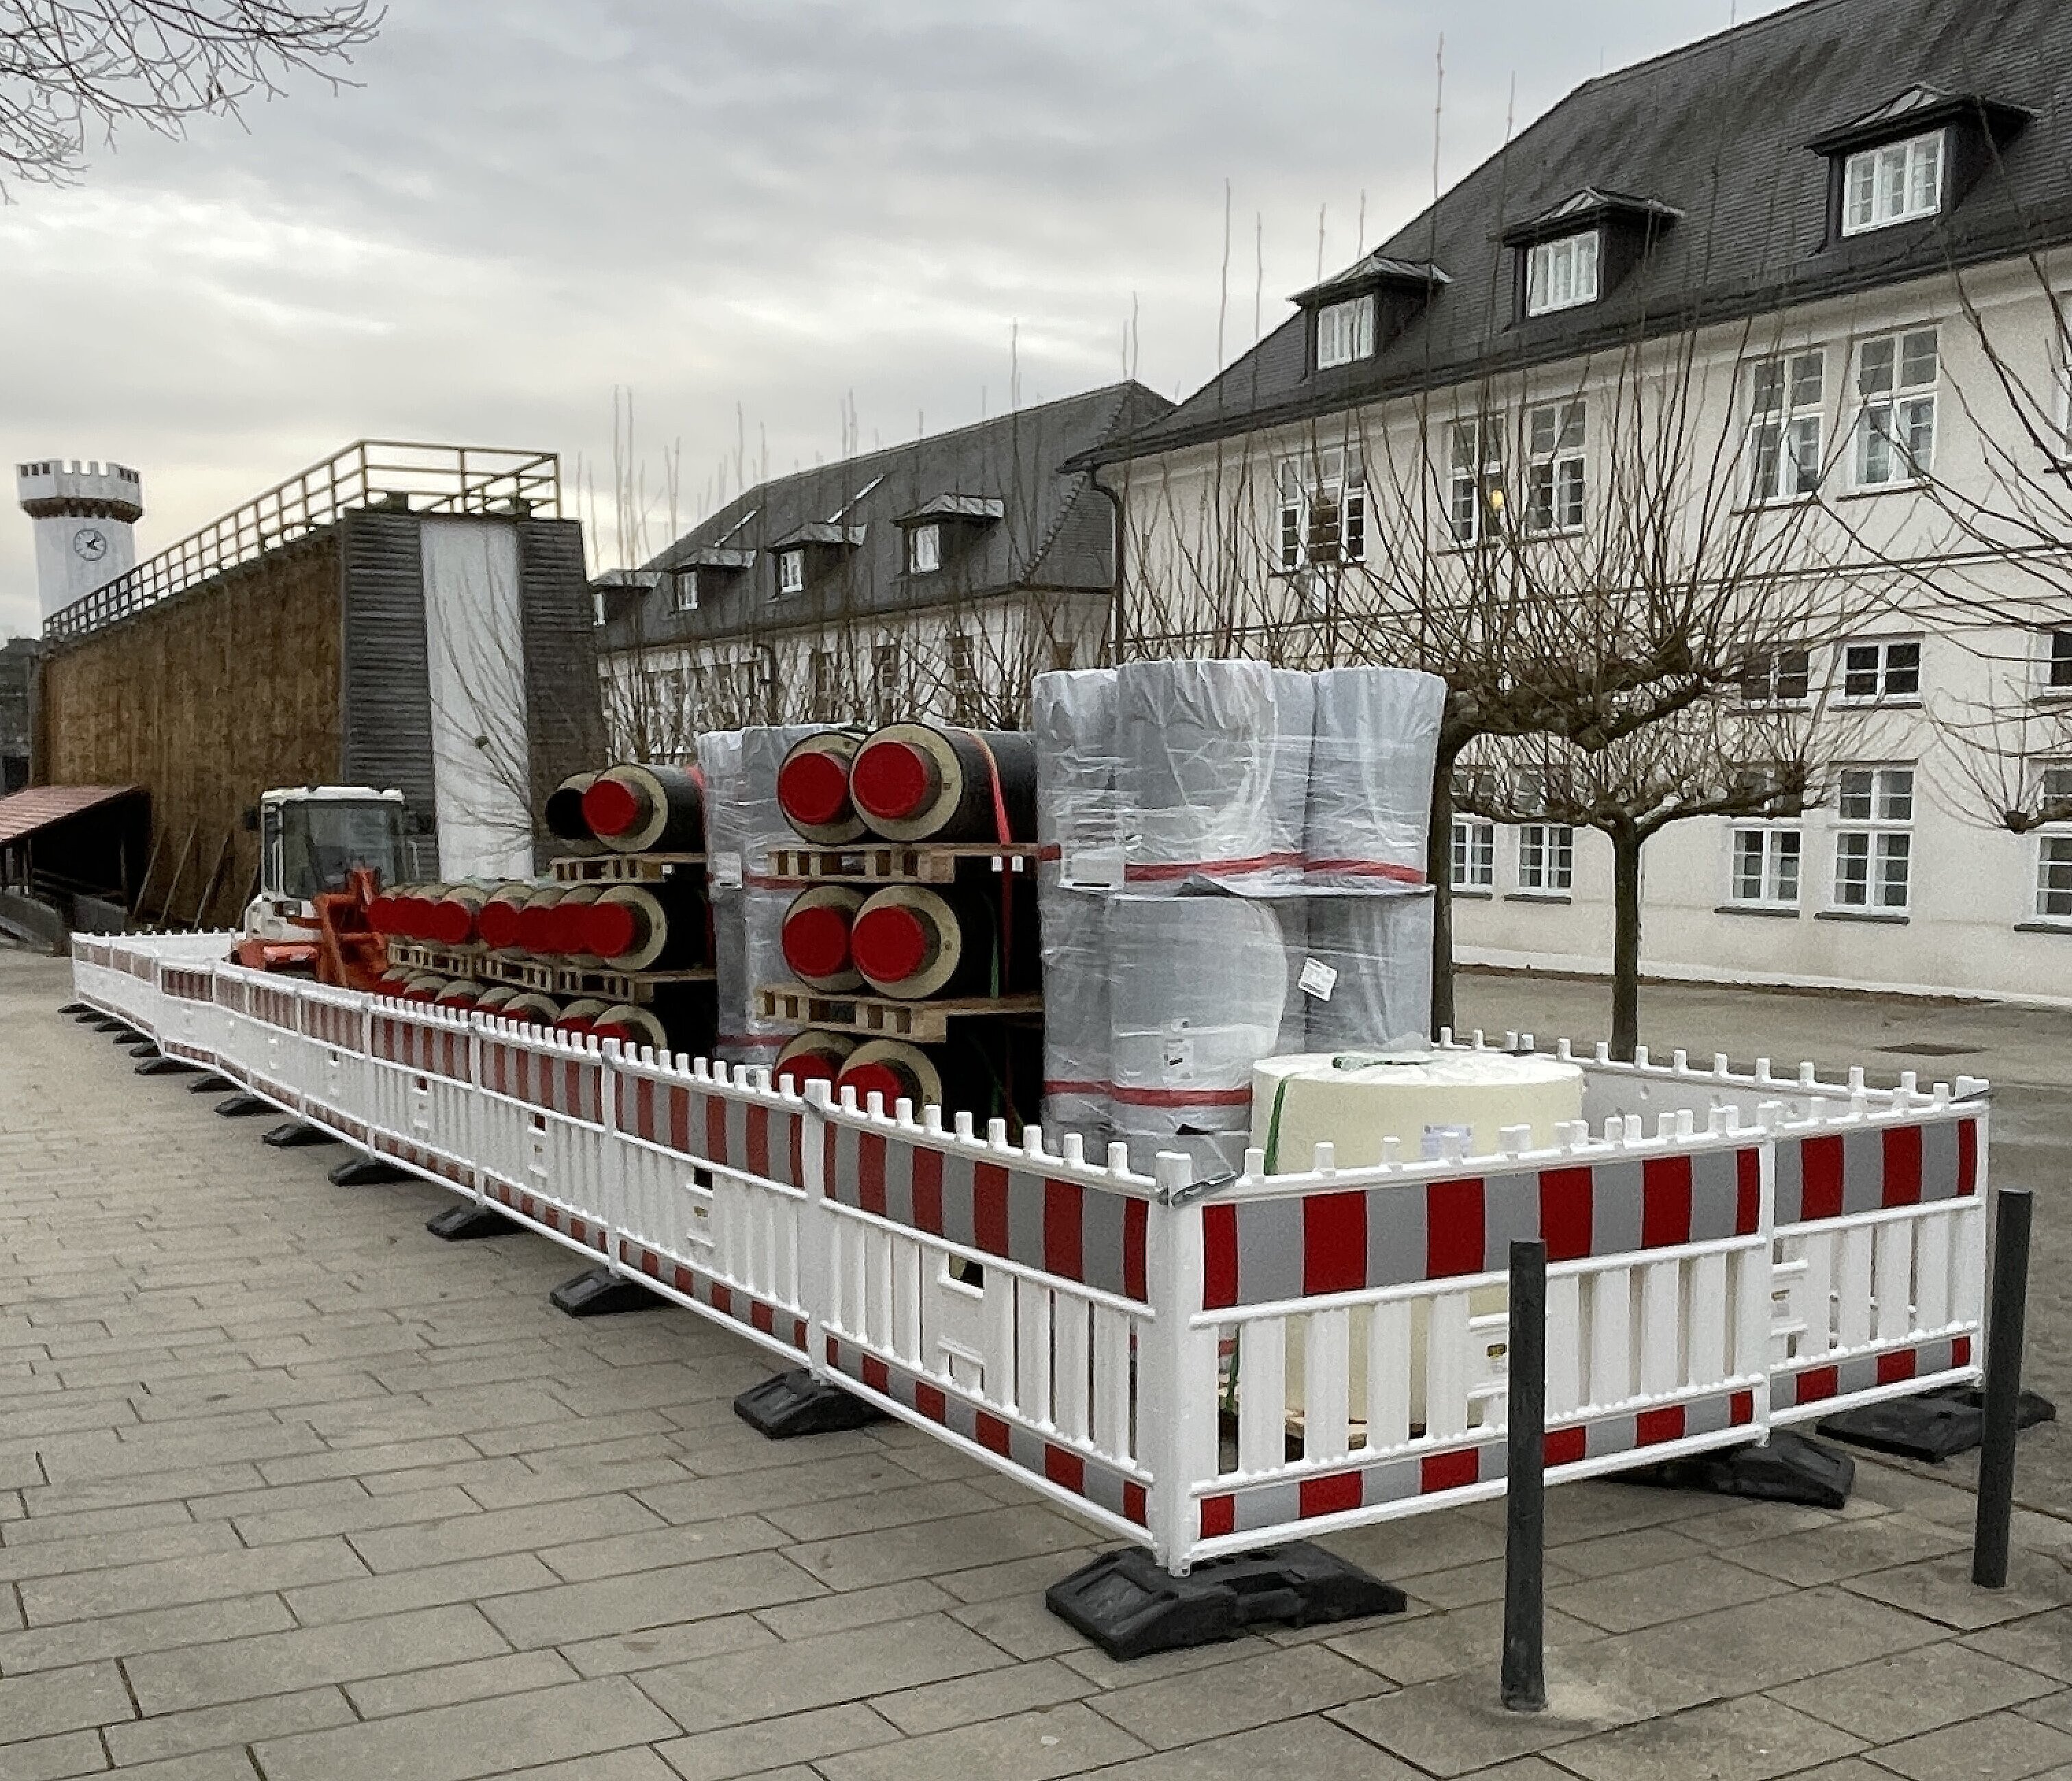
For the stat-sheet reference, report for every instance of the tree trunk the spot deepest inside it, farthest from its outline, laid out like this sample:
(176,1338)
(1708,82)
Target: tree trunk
(1439,873)
(1625,941)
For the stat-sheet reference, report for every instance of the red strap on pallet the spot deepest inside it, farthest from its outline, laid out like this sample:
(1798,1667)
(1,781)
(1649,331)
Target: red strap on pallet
(1006,877)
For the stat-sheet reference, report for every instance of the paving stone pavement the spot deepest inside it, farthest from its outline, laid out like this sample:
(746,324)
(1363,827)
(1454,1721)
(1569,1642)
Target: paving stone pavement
(291,1490)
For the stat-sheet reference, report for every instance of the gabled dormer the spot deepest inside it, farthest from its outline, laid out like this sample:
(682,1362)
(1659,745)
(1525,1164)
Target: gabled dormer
(702,575)
(939,530)
(1353,314)
(1912,158)
(1578,252)
(808,555)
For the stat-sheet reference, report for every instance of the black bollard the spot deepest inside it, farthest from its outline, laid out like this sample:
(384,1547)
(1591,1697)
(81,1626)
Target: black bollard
(1524,1681)
(2003,1395)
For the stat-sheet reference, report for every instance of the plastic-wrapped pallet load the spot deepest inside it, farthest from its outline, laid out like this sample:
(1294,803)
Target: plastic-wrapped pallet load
(742,823)
(1366,973)
(1374,738)
(1072,718)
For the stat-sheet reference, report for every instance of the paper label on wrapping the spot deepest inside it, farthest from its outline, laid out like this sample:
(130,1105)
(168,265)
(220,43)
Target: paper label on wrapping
(726,872)
(1179,1051)
(1096,868)
(1436,1138)
(1317,979)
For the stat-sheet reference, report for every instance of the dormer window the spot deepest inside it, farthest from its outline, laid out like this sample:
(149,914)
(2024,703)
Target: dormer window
(924,549)
(1896,183)
(1345,332)
(791,571)
(686,590)
(1561,274)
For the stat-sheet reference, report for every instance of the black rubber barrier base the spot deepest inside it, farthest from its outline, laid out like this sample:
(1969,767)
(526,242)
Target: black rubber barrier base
(468,1223)
(788,1405)
(1130,1607)
(1933,1425)
(601,1292)
(75,1007)
(366,1171)
(243,1107)
(1787,1468)
(112,1025)
(210,1085)
(294,1135)
(158,1063)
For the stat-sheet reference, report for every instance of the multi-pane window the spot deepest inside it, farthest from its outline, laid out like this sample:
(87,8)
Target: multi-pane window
(1345,331)
(1873,673)
(2058,662)
(885,681)
(1782,678)
(1874,840)
(1892,184)
(790,572)
(2054,857)
(1474,478)
(1323,508)
(1474,854)
(1559,275)
(924,550)
(1546,857)
(824,692)
(1554,467)
(685,591)
(1766,867)
(1785,398)
(1896,376)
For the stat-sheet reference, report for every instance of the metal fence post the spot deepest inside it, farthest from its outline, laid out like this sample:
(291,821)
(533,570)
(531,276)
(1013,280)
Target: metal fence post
(2003,1392)
(1523,1678)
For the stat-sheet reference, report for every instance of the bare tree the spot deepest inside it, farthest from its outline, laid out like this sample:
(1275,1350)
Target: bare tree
(72,69)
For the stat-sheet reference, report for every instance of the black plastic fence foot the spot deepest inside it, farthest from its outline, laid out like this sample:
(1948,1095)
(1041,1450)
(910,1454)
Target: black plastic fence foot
(366,1171)
(210,1084)
(158,1063)
(1932,1426)
(75,1007)
(601,1292)
(790,1404)
(1787,1468)
(243,1107)
(293,1135)
(109,1024)
(468,1222)
(1130,1607)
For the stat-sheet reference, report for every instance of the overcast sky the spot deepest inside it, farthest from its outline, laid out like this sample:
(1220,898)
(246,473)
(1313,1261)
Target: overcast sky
(747,213)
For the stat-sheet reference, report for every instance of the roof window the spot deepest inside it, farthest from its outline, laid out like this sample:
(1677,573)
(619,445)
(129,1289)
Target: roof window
(1561,275)
(1897,183)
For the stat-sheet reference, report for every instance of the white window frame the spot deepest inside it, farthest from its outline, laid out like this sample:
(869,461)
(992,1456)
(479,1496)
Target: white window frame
(1473,854)
(924,549)
(1894,442)
(1555,486)
(1778,854)
(2054,667)
(1322,507)
(1345,332)
(1873,658)
(2053,848)
(684,594)
(790,572)
(1563,273)
(1767,685)
(1874,810)
(1786,428)
(1546,859)
(1894,183)
(1474,490)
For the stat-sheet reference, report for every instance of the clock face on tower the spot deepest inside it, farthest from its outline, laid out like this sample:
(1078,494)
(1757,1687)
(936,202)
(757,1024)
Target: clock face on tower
(89,543)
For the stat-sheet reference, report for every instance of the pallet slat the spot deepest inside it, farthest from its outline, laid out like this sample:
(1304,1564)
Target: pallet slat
(895,863)
(623,868)
(883,1016)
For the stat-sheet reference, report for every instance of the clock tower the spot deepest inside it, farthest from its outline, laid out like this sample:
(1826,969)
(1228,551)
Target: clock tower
(84,514)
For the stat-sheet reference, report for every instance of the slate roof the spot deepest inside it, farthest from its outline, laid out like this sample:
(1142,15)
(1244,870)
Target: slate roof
(1017,521)
(1721,130)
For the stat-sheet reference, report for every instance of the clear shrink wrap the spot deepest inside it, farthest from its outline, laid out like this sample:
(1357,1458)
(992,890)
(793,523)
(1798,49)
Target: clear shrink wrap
(1366,973)
(1375,735)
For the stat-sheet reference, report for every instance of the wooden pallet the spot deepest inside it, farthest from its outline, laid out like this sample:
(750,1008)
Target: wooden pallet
(895,862)
(621,868)
(451,960)
(637,987)
(884,1017)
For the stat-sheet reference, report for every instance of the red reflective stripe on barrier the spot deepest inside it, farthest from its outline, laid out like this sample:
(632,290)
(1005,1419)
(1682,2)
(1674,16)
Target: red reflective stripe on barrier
(1135,1214)
(762,1317)
(717,1148)
(1446,1472)
(1134,1506)
(1665,1202)
(1894,1369)
(1817,1383)
(1651,1428)
(1741,1409)
(870,1172)
(1334,1243)
(643,1107)
(1902,1166)
(1331,1495)
(758,1159)
(927,1179)
(1219,1257)
(1565,1447)
(1065,1468)
(1064,1208)
(1219,1516)
(1748,1192)
(680,1121)
(931,1402)
(1564,1213)
(1820,1177)
(993,1434)
(1453,1229)
(795,1136)
(1967,1156)
(722,1300)
(989,1229)
(1960,1352)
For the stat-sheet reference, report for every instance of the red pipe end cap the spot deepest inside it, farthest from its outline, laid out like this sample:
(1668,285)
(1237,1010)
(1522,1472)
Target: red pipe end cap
(578,1026)
(609,929)
(812,787)
(891,780)
(452,923)
(869,1079)
(811,1066)
(498,925)
(816,941)
(891,944)
(534,929)
(610,807)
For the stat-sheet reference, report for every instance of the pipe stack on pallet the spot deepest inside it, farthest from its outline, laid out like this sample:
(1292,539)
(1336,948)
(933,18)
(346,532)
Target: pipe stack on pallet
(617,942)
(907,961)
(1233,866)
